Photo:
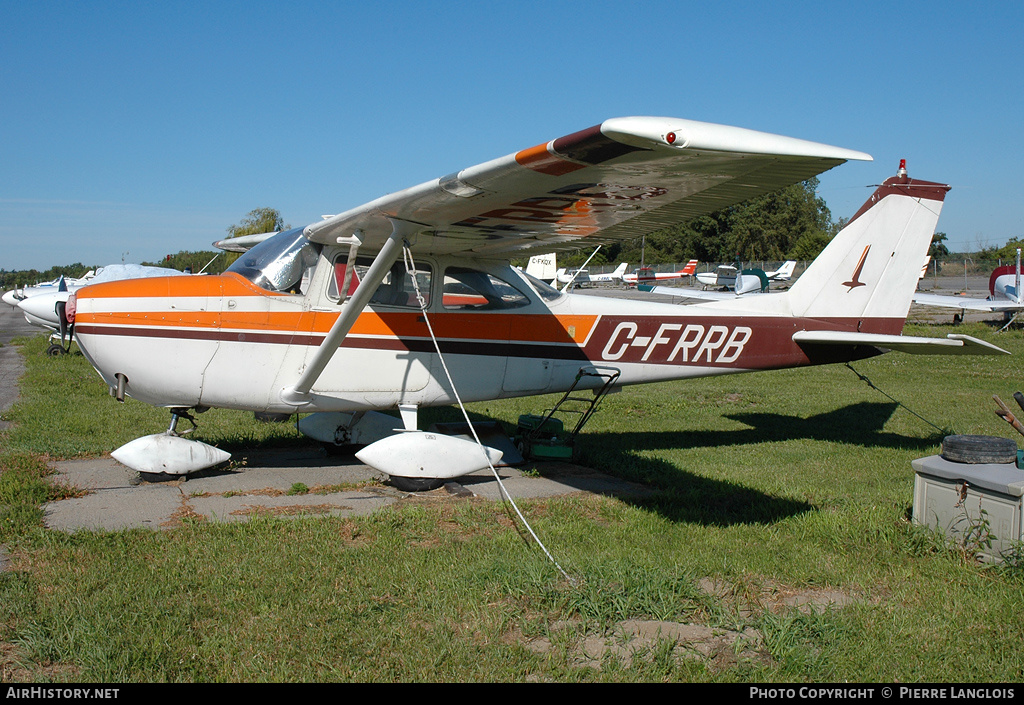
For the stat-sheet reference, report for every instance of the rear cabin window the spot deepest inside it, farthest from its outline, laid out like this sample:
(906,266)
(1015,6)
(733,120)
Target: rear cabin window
(471,289)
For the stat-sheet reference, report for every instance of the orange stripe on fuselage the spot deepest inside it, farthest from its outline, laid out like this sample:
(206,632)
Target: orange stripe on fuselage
(539,328)
(533,328)
(227,284)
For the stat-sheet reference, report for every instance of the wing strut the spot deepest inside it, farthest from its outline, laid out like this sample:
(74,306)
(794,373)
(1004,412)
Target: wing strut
(298,394)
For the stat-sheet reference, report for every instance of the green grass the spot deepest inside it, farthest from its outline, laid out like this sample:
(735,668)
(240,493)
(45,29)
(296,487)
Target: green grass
(784,482)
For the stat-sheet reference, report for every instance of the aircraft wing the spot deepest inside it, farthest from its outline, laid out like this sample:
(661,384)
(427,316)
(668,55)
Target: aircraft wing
(966,303)
(242,243)
(615,181)
(689,293)
(952,344)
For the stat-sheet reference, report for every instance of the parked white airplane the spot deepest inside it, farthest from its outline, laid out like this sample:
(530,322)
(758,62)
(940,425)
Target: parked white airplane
(615,276)
(412,301)
(748,281)
(44,308)
(583,277)
(783,273)
(646,275)
(1004,285)
(723,276)
(14,296)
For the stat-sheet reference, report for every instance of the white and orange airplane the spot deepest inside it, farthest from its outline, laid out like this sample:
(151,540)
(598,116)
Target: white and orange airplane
(409,301)
(646,275)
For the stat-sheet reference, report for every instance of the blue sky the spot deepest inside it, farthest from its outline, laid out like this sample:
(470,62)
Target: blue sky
(132,130)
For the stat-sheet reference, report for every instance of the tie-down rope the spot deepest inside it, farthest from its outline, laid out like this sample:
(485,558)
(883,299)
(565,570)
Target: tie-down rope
(410,268)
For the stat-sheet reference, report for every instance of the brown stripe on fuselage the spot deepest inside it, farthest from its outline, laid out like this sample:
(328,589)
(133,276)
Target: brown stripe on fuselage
(717,342)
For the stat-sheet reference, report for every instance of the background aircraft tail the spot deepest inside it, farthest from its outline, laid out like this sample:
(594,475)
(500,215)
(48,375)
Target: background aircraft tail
(542,266)
(870,269)
(620,270)
(1006,281)
(785,272)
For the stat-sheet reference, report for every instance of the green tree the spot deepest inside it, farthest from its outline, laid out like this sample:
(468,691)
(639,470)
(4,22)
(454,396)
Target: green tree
(1008,251)
(792,223)
(937,249)
(767,227)
(259,220)
(206,261)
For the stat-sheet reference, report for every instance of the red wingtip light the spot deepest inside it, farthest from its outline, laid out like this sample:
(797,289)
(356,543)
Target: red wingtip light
(670,137)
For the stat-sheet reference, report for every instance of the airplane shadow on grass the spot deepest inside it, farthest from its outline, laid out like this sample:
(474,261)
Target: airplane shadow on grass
(683,496)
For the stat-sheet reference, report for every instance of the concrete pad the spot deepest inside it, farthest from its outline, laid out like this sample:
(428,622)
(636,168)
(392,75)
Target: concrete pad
(12,366)
(119,498)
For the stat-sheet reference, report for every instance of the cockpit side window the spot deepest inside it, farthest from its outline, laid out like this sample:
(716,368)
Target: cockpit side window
(283,263)
(397,289)
(472,289)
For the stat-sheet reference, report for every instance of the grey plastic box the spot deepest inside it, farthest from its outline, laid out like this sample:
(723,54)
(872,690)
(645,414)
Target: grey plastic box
(963,500)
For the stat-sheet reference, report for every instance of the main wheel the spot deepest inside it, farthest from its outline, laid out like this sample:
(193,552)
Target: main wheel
(979,449)
(415,484)
(55,350)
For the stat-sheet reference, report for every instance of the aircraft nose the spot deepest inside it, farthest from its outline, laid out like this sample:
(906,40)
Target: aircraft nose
(42,306)
(9,298)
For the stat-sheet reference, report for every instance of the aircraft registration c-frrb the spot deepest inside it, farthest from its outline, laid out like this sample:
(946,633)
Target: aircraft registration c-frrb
(364,311)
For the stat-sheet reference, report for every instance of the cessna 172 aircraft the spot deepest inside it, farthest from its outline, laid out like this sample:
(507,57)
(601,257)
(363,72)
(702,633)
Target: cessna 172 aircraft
(646,275)
(725,275)
(40,305)
(582,277)
(409,301)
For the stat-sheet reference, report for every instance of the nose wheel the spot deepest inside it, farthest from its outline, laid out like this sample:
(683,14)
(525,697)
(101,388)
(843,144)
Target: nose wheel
(168,454)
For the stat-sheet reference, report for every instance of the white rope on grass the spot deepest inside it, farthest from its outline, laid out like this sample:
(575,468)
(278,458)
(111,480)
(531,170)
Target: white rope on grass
(410,268)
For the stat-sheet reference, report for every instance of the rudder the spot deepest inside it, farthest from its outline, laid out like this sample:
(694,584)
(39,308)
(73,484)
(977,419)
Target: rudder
(869,271)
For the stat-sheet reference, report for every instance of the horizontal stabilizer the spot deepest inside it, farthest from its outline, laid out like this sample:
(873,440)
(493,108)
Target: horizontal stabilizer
(953,344)
(966,303)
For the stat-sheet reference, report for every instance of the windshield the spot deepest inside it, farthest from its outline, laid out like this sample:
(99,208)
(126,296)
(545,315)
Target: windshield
(279,263)
(545,290)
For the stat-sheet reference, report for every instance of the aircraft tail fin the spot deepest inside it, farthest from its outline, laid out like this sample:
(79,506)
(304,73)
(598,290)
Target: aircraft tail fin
(999,283)
(785,272)
(690,268)
(620,270)
(542,267)
(869,271)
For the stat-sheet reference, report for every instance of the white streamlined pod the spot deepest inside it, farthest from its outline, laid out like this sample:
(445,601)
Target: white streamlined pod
(170,455)
(426,455)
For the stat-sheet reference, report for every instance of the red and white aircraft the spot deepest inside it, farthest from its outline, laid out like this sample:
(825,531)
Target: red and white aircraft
(646,275)
(1004,295)
(436,314)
